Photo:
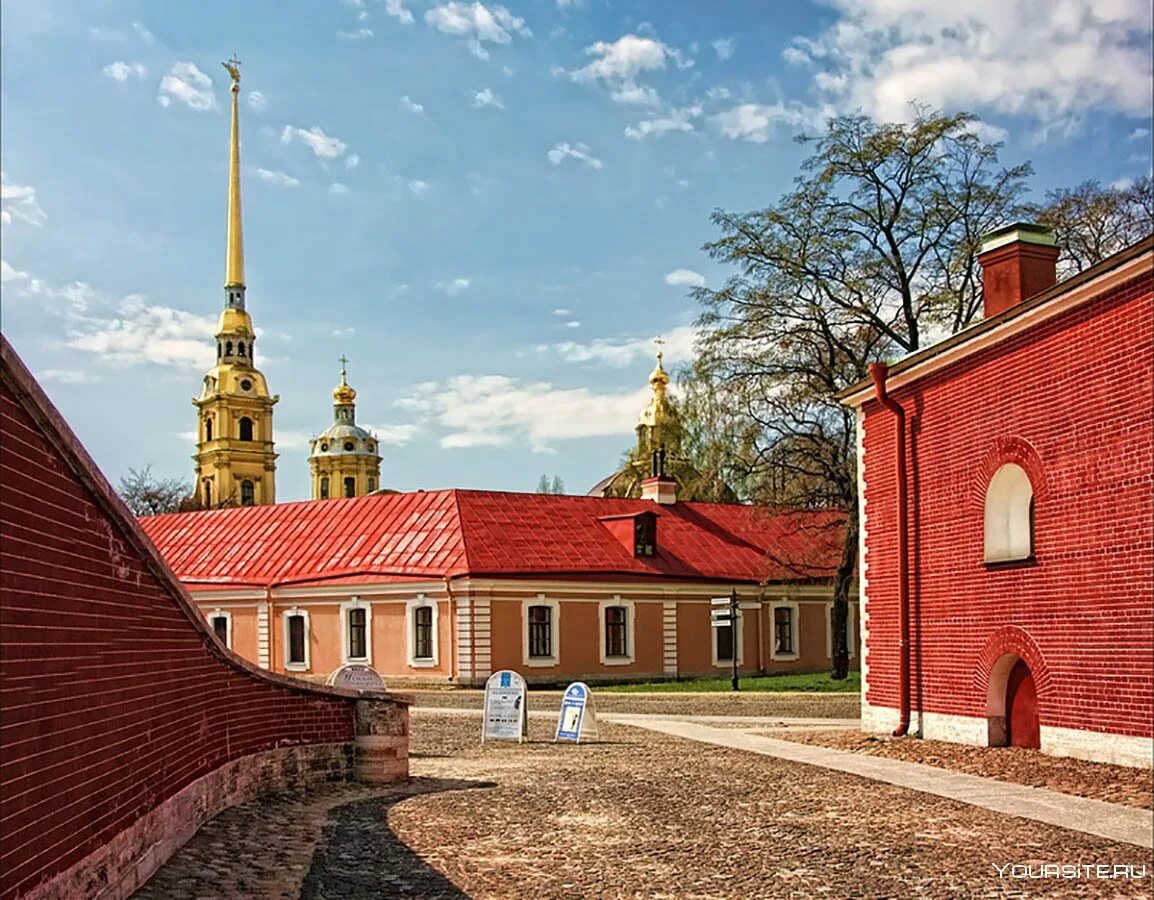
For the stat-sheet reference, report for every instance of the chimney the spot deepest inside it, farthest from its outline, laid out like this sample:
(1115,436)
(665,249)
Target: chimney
(1017,262)
(659,487)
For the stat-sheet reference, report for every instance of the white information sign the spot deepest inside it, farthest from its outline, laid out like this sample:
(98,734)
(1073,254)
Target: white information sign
(357,678)
(577,717)
(506,718)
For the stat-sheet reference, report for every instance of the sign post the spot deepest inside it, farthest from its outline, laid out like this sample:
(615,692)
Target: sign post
(577,715)
(506,718)
(723,614)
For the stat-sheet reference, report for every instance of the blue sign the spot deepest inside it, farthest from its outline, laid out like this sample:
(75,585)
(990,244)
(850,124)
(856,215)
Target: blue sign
(572,718)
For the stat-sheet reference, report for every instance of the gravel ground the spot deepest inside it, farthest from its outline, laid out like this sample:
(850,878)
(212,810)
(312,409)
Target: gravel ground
(1098,781)
(636,814)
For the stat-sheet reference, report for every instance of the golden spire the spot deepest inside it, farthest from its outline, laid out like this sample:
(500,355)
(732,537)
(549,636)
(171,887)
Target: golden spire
(342,393)
(234,262)
(658,410)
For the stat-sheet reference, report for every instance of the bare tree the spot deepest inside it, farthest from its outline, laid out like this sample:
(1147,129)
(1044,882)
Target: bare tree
(1091,222)
(147,495)
(873,253)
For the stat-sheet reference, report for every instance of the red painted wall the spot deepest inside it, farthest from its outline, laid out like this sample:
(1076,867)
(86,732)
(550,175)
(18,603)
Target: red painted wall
(1069,400)
(112,699)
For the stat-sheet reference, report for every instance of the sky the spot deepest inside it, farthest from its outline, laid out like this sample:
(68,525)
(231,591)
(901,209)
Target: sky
(492,209)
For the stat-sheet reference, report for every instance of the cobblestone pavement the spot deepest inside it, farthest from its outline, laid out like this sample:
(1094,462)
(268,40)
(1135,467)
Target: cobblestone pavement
(637,814)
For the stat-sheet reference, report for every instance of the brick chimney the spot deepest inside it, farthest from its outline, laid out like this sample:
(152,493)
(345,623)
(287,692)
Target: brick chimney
(1017,262)
(659,487)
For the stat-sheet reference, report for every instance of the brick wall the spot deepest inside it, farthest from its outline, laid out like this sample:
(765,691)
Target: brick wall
(1070,400)
(113,696)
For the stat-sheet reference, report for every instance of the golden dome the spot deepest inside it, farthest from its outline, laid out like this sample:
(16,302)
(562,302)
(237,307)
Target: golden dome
(234,321)
(342,393)
(659,375)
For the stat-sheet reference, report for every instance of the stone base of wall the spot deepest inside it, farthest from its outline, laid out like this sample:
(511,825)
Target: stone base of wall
(1095,746)
(126,862)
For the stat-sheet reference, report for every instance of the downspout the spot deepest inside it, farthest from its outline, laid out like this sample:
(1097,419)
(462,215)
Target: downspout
(761,628)
(879,372)
(452,630)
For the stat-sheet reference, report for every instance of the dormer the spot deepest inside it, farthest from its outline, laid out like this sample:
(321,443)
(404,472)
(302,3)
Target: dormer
(637,532)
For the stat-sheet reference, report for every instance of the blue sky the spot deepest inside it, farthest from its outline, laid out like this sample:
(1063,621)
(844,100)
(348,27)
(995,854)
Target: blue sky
(491,209)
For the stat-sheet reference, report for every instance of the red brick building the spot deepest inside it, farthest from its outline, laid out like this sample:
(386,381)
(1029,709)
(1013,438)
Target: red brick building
(1007,515)
(449,586)
(124,722)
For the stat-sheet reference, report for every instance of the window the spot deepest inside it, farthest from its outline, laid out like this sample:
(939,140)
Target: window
(247,493)
(349,447)
(723,643)
(358,645)
(208,429)
(296,640)
(240,349)
(208,494)
(617,617)
(421,623)
(727,640)
(784,617)
(325,488)
(540,631)
(1009,515)
(645,535)
(228,348)
(357,630)
(221,623)
(540,634)
(245,428)
(372,485)
(350,487)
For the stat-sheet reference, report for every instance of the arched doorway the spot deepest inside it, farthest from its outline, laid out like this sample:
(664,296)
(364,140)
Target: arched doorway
(1012,704)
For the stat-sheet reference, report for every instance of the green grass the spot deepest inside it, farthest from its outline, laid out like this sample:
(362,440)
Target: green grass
(815,682)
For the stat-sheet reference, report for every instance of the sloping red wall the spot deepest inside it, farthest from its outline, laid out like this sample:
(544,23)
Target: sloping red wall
(113,695)
(1070,400)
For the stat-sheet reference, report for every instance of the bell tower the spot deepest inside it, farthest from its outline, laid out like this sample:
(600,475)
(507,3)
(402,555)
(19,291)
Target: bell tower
(235,455)
(343,459)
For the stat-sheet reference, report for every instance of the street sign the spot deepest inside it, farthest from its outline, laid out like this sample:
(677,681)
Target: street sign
(506,718)
(576,713)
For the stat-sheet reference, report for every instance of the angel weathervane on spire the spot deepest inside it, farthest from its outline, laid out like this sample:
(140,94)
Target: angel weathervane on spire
(660,342)
(233,67)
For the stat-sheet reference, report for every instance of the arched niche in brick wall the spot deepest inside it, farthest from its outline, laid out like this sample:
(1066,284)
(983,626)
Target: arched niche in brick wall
(1001,652)
(1011,449)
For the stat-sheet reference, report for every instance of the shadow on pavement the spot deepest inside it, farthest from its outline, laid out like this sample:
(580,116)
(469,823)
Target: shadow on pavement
(360,858)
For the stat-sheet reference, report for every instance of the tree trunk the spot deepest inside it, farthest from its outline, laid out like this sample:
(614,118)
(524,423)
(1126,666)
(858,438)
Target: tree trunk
(841,588)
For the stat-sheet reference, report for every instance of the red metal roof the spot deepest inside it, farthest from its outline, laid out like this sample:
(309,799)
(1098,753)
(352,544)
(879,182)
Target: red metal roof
(437,534)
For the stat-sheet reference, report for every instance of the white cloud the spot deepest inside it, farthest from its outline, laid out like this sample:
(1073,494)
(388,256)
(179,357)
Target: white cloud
(623,59)
(486,97)
(478,23)
(138,333)
(685,278)
(1049,61)
(496,410)
(568,4)
(324,147)
(10,275)
(122,71)
(257,101)
(453,287)
(632,94)
(336,189)
(397,9)
(186,84)
(18,203)
(674,120)
(755,122)
(723,47)
(417,186)
(393,435)
(1138,133)
(359,35)
(574,323)
(579,152)
(67,376)
(412,106)
(344,331)
(622,352)
(562,312)
(352,161)
(143,33)
(277,178)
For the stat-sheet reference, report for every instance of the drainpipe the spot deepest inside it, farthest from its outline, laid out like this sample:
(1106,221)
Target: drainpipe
(452,630)
(879,372)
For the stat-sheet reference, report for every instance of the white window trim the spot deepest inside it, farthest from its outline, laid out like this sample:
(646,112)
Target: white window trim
(542,662)
(350,604)
(739,644)
(628,658)
(794,628)
(219,613)
(418,602)
(850,630)
(296,666)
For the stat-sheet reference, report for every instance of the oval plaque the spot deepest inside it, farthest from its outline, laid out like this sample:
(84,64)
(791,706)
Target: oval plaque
(357,678)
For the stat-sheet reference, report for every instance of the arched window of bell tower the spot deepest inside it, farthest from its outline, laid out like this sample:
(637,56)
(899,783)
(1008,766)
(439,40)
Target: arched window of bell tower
(208,494)
(247,493)
(228,348)
(240,349)
(245,428)
(219,350)
(208,428)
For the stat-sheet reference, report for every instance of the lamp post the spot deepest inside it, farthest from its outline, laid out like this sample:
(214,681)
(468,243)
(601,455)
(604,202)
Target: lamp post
(734,632)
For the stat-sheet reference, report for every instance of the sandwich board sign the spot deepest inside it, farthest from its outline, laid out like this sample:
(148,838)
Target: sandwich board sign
(577,716)
(506,718)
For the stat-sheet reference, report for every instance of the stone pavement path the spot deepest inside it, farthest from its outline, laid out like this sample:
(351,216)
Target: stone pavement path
(1108,820)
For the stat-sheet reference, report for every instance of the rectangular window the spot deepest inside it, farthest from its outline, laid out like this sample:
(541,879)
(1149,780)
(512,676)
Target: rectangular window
(615,631)
(324,489)
(350,487)
(540,631)
(358,646)
(723,634)
(423,632)
(220,626)
(783,629)
(296,640)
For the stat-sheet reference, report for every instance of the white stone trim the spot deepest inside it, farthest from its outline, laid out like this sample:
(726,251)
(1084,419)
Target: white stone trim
(738,644)
(794,630)
(554,629)
(669,638)
(263,636)
(356,602)
(297,666)
(862,558)
(219,613)
(421,602)
(630,620)
(474,632)
(849,630)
